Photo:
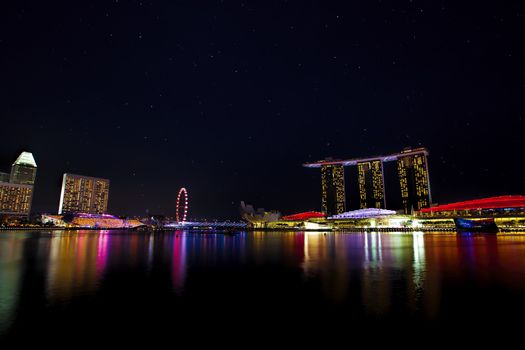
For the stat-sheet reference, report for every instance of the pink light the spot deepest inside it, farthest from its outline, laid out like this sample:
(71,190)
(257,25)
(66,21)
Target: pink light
(102,253)
(186,201)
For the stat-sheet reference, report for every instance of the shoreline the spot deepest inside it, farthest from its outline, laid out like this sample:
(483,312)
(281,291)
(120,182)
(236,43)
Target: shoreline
(249,229)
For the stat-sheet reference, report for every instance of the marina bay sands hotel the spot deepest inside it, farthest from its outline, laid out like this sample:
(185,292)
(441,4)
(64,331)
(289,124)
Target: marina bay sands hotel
(412,169)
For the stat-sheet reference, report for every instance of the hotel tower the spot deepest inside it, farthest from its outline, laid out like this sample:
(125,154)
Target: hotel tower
(83,194)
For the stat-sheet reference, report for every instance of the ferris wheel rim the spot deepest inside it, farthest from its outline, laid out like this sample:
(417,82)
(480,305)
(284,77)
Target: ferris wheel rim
(185,206)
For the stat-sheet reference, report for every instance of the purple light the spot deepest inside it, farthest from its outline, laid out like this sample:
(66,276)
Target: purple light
(95,216)
(363,214)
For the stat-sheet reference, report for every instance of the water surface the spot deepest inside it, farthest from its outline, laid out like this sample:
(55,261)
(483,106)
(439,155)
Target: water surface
(83,284)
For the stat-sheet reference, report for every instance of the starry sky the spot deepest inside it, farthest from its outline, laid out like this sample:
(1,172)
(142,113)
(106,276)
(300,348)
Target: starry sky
(229,98)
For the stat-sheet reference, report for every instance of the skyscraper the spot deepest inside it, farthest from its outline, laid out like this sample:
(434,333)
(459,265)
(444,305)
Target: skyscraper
(371,184)
(333,189)
(83,194)
(23,170)
(414,179)
(15,199)
(16,189)
(412,168)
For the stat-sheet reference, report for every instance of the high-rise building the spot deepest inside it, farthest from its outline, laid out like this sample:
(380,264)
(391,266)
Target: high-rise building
(412,168)
(16,189)
(4,177)
(23,170)
(371,184)
(15,199)
(333,189)
(414,180)
(83,194)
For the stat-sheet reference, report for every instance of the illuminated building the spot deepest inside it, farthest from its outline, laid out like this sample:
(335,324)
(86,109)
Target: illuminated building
(333,189)
(15,199)
(83,194)
(492,206)
(508,212)
(16,189)
(310,220)
(82,220)
(259,217)
(371,184)
(303,216)
(414,180)
(363,214)
(23,170)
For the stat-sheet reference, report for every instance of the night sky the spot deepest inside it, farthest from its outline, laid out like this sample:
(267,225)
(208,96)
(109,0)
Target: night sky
(229,98)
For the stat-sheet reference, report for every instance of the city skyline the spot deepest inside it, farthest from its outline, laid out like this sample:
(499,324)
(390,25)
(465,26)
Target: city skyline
(169,168)
(81,194)
(228,100)
(413,177)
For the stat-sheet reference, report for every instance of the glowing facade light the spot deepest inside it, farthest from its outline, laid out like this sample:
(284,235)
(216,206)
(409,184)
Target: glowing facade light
(16,188)
(83,194)
(87,220)
(414,181)
(371,184)
(363,214)
(15,199)
(25,158)
(478,204)
(182,206)
(333,198)
(304,216)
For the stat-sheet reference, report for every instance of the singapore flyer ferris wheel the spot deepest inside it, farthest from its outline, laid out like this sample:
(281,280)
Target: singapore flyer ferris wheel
(182,205)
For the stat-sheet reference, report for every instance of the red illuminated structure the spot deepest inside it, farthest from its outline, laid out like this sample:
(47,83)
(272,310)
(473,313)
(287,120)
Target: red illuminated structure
(502,202)
(304,216)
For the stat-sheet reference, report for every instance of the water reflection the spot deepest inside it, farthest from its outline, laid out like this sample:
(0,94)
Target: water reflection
(76,263)
(11,266)
(374,273)
(179,262)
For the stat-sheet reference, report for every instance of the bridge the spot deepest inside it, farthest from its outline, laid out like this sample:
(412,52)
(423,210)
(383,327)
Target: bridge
(206,225)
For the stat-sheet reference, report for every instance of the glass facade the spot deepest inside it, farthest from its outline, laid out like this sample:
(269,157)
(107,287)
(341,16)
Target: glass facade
(333,189)
(4,177)
(83,194)
(371,184)
(23,170)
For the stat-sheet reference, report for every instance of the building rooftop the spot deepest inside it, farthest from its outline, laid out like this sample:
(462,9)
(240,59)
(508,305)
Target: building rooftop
(85,176)
(363,214)
(484,203)
(303,216)
(355,161)
(25,158)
